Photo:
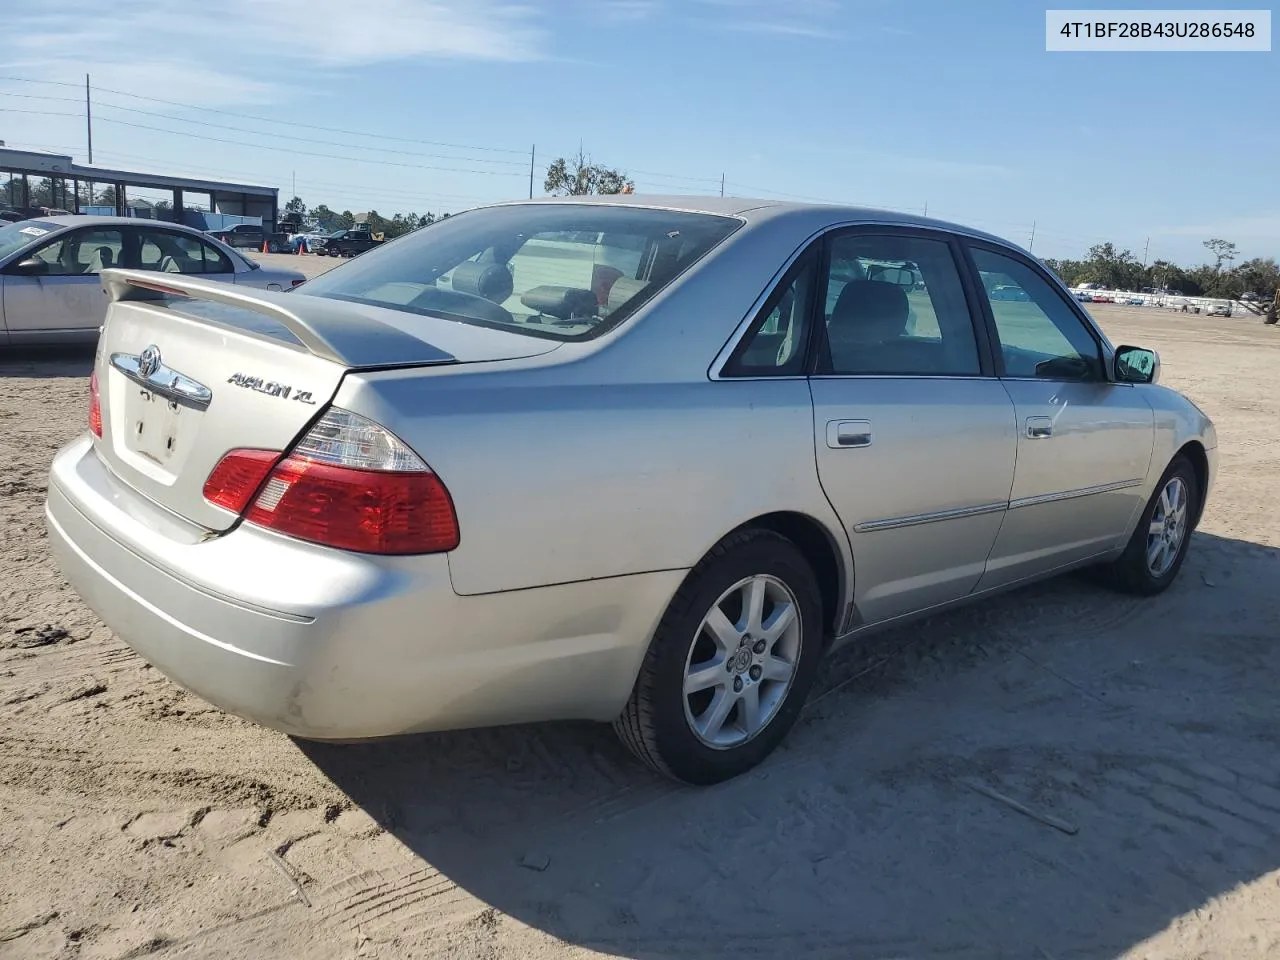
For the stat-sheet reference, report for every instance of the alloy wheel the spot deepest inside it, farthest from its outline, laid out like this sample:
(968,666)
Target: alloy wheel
(742,661)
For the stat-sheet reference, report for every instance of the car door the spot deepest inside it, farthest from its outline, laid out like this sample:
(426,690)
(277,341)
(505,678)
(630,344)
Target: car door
(914,438)
(65,297)
(1084,441)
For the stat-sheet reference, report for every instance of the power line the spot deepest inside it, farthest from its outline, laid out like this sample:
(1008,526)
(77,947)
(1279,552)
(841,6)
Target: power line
(262,133)
(305,153)
(272,121)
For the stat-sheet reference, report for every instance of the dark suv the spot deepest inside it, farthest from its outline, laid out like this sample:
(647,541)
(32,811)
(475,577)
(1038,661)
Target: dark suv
(241,235)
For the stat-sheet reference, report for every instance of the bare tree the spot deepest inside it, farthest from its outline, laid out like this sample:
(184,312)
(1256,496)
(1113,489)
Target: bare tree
(1224,251)
(578,176)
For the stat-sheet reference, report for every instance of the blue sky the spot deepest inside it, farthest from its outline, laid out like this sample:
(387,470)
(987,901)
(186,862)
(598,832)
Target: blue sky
(939,102)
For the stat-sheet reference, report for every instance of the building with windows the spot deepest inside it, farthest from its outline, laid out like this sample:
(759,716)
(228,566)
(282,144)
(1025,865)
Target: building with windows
(35,183)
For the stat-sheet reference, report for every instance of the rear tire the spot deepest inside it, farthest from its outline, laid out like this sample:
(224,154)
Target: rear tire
(730,664)
(1159,544)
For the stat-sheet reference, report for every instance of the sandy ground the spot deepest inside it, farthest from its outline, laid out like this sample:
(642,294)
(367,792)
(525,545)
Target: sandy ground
(137,821)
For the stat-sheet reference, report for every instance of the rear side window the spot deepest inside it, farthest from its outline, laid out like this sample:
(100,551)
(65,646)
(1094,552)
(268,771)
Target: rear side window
(172,252)
(777,343)
(563,271)
(895,306)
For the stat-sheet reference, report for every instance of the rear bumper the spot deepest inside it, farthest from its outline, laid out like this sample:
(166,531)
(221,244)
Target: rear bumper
(328,645)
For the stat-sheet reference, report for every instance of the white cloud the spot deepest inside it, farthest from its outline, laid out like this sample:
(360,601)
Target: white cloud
(249,51)
(811,19)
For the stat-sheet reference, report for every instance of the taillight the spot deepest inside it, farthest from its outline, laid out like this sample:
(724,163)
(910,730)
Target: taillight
(95,405)
(238,476)
(297,282)
(354,485)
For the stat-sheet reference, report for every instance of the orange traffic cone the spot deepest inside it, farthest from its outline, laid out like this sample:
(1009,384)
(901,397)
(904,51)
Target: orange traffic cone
(264,247)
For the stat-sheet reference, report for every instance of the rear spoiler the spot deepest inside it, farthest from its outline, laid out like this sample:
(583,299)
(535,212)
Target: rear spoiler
(329,329)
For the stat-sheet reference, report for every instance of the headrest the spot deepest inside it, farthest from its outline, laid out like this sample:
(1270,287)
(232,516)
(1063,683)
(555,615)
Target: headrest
(876,305)
(488,280)
(561,302)
(602,280)
(624,289)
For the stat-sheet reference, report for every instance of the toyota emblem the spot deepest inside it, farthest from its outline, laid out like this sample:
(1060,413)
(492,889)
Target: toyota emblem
(149,360)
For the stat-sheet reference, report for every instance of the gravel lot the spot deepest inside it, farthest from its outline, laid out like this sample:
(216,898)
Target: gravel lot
(137,821)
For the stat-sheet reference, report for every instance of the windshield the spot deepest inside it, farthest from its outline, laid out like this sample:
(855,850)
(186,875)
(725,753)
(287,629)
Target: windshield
(564,271)
(336,234)
(15,236)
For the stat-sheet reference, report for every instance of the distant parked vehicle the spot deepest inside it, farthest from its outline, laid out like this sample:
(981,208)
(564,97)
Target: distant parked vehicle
(1084,296)
(245,235)
(1008,293)
(350,243)
(1135,301)
(1219,309)
(49,270)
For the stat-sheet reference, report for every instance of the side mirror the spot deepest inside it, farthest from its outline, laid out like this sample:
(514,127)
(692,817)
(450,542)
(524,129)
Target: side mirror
(1137,365)
(32,267)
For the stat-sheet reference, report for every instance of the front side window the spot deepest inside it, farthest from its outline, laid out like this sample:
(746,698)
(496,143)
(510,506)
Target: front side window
(82,253)
(895,305)
(1040,335)
(559,270)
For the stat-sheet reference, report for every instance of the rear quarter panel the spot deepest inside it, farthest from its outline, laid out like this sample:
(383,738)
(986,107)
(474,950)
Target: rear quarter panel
(557,482)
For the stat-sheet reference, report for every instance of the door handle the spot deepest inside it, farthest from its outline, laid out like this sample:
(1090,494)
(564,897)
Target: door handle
(848,433)
(1039,428)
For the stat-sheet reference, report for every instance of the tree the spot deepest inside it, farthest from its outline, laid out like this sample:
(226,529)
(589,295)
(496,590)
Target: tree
(578,176)
(327,219)
(1224,251)
(1259,276)
(296,206)
(106,196)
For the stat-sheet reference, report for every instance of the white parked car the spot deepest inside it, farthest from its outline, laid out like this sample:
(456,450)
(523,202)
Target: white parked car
(49,270)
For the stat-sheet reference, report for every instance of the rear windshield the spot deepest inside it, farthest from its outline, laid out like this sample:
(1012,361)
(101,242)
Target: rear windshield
(563,271)
(15,236)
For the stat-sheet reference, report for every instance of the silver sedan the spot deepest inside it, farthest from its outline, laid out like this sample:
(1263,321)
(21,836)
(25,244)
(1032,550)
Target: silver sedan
(49,270)
(634,460)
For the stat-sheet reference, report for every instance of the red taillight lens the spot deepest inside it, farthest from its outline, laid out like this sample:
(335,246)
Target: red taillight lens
(368,511)
(238,476)
(95,405)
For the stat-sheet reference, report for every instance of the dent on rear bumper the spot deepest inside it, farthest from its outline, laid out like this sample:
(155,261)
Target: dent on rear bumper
(329,645)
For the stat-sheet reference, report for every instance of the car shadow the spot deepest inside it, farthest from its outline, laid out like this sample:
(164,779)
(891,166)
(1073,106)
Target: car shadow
(43,362)
(1058,772)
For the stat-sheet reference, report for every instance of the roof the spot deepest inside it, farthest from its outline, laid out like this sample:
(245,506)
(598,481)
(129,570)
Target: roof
(51,164)
(80,220)
(755,210)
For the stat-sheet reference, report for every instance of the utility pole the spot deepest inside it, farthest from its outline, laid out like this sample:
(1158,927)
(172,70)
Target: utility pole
(533,152)
(294,191)
(926,208)
(722,184)
(88,117)
(1145,247)
(1032,242)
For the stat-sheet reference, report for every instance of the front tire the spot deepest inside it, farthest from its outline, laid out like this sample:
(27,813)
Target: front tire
(1151,561)
(730,664)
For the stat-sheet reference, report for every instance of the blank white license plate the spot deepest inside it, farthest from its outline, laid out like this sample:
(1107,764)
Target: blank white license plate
(154,423)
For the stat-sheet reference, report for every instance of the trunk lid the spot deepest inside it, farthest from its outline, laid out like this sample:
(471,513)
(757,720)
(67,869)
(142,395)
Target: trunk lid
(189,370)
